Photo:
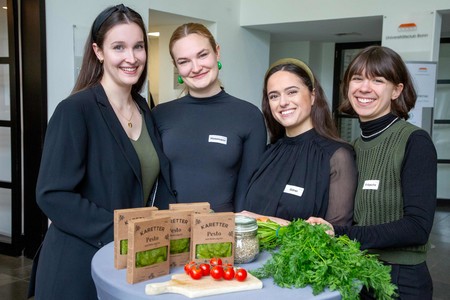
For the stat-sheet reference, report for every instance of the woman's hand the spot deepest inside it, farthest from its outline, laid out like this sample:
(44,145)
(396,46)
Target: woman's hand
(315,220)
(281,222)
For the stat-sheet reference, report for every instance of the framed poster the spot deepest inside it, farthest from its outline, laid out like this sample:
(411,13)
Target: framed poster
(424,79)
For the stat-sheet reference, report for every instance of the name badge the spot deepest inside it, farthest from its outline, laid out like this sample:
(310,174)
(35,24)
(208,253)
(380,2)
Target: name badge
(217,139)
(371,185)
(293,190)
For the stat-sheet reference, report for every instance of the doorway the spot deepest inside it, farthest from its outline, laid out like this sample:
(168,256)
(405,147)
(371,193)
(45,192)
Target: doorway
(23,119)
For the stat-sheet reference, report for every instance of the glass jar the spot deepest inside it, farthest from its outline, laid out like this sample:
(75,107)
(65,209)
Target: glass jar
(246,246)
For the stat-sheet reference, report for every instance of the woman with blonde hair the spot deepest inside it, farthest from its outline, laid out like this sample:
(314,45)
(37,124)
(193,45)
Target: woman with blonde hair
(212,139)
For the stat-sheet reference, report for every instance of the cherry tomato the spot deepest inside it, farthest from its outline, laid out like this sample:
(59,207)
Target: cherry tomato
(205,269)
(241,274)
(228,273)
(188,266)
(215,261)
(216,272)
(196,273)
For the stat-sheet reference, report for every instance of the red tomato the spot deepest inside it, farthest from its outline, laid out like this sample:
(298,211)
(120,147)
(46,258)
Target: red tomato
(216,272)
(241,274)
(228,273)
(215,261)
(196,273)
(205,269)
(188,266)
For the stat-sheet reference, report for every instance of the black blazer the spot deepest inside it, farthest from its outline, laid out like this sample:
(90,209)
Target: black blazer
(88,169)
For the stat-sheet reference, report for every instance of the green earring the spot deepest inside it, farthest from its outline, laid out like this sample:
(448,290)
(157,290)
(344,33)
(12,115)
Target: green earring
(180,79)
(219,65)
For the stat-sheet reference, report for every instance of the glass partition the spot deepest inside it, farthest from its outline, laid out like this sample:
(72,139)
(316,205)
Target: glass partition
(3,33)
(5,215)
(5,154)
(5,98)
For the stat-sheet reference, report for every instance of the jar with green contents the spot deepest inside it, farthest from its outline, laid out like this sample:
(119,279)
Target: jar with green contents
(246,246)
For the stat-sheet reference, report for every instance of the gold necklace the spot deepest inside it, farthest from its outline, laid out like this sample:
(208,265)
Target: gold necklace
(129,123)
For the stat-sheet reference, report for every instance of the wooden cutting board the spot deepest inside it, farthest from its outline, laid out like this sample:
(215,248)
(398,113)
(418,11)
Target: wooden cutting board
(206,286)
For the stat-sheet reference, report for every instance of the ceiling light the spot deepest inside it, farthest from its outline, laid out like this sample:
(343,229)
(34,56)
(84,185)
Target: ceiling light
(153,33)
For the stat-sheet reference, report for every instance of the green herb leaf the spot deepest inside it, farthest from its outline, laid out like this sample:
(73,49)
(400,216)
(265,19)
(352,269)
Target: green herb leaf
(308,256)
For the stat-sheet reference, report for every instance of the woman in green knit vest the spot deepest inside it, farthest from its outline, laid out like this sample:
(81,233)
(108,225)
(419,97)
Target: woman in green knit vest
(397,162)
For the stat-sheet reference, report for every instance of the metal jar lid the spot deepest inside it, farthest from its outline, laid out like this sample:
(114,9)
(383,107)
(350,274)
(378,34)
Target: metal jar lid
(245,224)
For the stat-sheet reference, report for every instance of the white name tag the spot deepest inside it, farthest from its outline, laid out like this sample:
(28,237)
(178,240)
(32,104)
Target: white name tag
(293,190)
(371,185)
(217,139)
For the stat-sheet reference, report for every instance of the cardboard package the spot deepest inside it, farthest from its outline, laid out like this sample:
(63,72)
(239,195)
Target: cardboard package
(148,248)
(213,236)
(180,234)
(121,219)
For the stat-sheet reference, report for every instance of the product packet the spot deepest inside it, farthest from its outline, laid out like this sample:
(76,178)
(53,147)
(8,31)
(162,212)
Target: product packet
(148,248)
(197,207)
(121,219)
(213,236)
(180,234)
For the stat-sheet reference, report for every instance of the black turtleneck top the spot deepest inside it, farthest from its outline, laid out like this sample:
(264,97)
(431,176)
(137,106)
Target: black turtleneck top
(418,180)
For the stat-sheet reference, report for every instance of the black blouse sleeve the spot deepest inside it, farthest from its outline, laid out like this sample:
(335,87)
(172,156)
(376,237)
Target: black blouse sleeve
(419,177)
(343,181)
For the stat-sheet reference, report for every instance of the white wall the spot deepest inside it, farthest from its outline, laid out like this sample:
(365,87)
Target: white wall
(153,67)
(244,53)
(61,16)
(319,56)
(256,12)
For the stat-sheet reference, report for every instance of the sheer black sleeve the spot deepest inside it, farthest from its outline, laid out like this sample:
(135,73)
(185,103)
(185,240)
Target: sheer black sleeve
(343,180)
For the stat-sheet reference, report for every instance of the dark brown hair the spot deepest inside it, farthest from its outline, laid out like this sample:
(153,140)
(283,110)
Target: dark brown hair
(320,112)
(91,71)
(379,61)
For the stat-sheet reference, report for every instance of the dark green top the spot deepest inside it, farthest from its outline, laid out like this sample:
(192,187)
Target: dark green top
(379,197)
(149,161)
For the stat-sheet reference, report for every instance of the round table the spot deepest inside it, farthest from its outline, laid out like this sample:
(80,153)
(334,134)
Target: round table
(111,283)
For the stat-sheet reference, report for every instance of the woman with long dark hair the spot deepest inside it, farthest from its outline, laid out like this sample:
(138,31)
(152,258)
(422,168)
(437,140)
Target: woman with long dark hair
(307,170)
(101,153)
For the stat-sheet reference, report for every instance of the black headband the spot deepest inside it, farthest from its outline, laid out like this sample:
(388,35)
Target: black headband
(103,16)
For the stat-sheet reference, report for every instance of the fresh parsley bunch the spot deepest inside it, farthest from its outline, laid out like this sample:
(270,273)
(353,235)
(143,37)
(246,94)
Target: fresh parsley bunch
(306,255)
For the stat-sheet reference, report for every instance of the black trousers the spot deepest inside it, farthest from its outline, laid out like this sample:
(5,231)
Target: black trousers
(413,282)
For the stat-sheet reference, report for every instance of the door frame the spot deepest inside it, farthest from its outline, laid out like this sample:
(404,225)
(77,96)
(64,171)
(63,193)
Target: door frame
(28,92)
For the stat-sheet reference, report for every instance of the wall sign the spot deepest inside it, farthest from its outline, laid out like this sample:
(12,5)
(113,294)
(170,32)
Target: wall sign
(424,79)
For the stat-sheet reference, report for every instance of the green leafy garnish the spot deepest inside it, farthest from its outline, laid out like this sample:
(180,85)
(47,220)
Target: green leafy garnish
(179,245)
(213,250)
(269,234)
(150,257)
(308,256)
(123,247)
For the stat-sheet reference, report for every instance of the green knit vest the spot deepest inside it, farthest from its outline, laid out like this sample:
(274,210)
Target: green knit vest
(379,198)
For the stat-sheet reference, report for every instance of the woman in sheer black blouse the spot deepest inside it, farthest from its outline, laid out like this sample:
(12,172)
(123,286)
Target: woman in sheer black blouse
(306,170)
